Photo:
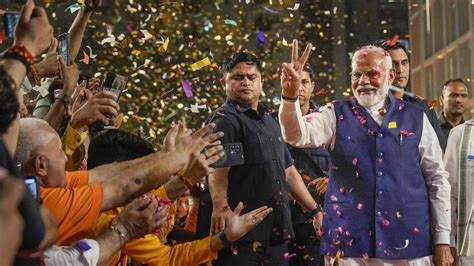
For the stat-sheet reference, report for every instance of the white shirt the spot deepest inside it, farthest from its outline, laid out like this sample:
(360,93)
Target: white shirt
(318,129)
(452,160)
(74,255)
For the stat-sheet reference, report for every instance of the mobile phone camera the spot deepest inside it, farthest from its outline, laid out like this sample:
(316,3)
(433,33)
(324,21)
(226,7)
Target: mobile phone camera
(234,149)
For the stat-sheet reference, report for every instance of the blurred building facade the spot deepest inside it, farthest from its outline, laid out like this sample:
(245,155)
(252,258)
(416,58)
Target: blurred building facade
(441,35)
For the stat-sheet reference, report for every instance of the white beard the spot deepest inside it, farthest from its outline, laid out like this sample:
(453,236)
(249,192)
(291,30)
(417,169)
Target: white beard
(369,100)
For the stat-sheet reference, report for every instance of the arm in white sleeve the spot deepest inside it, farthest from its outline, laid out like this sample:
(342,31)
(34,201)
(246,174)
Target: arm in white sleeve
(437,183)
(312,130)
(451,162)
(86,253)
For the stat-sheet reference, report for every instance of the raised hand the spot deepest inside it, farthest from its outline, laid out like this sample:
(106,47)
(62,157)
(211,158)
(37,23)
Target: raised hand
(239,225)
(177,131)
(291,73)
(33,29)
(98,107)
(193,145)
(93,85)
(91,5)
(49,67)
(69,76)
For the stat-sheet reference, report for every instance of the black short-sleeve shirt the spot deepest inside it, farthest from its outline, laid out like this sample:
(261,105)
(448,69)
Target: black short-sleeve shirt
(261,179)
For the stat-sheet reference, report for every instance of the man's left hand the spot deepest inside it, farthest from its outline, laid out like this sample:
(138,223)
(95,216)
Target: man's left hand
(318,223)
(239,225)
(442,255)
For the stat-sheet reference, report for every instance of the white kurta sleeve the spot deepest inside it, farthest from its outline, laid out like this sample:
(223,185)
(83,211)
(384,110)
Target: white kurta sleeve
(85,254)
(451,162)
(312,130)
(437,183)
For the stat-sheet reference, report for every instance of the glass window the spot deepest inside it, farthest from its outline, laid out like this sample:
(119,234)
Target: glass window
(438,26)
(463,7)
(416,39)
(429,84)
(451,20)
(465,61)
(428,37)
(439,78)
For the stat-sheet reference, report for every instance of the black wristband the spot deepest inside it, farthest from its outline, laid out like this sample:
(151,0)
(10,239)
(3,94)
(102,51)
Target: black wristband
(316,211)
(289,98)
(224,239)
(64,98)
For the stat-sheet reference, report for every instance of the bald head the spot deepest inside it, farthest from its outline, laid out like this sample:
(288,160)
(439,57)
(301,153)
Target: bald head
(34,135)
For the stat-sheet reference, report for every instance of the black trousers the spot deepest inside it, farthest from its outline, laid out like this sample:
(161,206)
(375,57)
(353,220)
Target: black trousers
(268,253)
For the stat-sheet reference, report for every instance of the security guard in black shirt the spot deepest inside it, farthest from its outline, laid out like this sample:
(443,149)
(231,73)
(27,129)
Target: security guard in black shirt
(266,176)
(313,165)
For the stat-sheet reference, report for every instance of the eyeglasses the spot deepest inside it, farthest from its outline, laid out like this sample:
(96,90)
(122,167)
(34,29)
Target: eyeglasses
(371,74)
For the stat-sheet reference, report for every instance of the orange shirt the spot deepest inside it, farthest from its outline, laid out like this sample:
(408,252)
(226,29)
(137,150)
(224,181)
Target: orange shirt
(191,221)
(76,207)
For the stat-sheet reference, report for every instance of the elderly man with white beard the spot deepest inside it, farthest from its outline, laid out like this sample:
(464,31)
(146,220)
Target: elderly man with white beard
(388,198)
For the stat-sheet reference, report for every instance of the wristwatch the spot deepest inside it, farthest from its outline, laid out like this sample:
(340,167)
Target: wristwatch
(223,237)
(316,211)
(64,98)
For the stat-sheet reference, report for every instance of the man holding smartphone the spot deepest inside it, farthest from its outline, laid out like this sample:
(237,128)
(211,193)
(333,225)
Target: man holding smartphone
(266,176)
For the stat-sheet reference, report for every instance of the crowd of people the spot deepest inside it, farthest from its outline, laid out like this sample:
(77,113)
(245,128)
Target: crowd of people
(379,179)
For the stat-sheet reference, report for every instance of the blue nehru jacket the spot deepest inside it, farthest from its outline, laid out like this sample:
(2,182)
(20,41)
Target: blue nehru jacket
(377,205)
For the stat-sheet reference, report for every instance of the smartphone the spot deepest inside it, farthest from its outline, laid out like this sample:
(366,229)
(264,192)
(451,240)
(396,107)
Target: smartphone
(33,185)
(114,83)
(10,19)
(233,155)
(64,47)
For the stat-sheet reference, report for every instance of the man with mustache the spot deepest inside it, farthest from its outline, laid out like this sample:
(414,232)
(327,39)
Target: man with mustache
(401,65)
(454,100)
(387,201)
(266,176)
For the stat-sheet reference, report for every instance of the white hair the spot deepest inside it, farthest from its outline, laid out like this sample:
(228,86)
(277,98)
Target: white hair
(34,134)
(361,55)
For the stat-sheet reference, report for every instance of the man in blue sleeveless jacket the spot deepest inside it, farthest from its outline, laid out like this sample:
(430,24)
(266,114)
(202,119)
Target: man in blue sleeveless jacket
(388,198)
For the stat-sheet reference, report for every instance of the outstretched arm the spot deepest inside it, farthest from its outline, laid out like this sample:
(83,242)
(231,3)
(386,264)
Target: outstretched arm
(127,180)
(313,130)
(79,25)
